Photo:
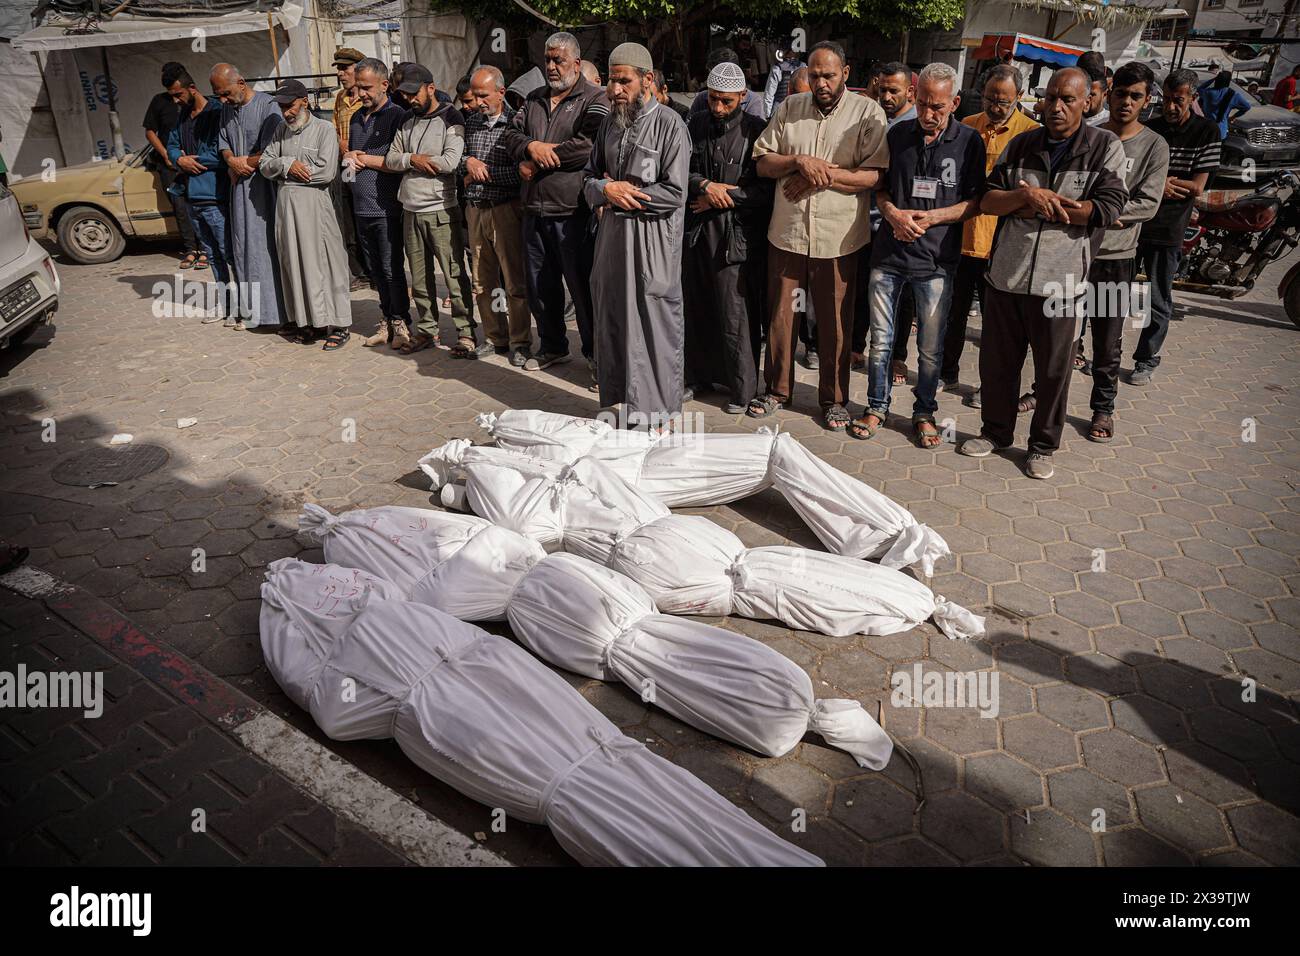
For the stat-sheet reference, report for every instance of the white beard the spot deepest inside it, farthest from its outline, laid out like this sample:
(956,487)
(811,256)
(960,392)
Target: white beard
(300,120)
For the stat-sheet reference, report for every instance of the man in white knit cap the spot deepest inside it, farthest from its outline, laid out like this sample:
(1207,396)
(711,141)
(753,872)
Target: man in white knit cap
(637,178)
(726,243)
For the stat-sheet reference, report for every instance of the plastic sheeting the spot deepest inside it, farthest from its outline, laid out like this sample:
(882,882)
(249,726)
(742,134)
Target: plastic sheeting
(597,622)
(479,713)
(688,564)
(698,470)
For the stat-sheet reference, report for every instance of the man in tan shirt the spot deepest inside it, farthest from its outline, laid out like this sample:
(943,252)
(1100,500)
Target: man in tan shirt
(827,148)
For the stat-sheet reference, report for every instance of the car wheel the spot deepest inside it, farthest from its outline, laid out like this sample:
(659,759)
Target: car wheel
(90,236)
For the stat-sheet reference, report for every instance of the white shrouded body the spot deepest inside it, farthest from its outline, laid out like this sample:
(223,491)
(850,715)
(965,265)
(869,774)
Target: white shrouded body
(697,470)
(482,715)
(600,623)
(689,564)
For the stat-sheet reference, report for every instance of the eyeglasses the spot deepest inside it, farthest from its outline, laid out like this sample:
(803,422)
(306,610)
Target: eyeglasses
(1003,104)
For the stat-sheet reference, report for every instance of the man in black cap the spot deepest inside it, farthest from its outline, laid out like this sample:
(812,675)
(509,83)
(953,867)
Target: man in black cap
(303,157)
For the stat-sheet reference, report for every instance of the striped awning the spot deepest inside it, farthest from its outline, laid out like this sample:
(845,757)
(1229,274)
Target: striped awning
(1027,49)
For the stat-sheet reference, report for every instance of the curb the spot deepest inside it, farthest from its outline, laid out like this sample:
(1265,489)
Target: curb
(313,768)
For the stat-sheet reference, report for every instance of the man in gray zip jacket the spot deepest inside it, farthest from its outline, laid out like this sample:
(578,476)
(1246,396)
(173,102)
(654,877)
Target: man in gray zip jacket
(427,150)
(1057,189)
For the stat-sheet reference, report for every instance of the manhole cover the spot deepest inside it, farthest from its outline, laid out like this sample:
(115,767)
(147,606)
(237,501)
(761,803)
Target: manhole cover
(115,463)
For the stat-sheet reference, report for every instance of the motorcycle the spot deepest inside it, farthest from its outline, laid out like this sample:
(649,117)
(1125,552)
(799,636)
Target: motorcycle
(1232,238)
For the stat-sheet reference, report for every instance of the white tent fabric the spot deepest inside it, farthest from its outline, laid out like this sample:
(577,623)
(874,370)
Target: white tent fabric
(57,33)
(689,564)
(479,713)
(595,621)
(697,470)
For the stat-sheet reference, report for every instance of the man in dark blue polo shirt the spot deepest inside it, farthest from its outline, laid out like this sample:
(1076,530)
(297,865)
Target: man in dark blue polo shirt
(374,195)
(934,183)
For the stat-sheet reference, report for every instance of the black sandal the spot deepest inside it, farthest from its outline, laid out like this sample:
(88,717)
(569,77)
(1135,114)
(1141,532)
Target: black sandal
(835,417)
(1103,423)
(1027,403)
(764,406)
(862,430)
(336,340)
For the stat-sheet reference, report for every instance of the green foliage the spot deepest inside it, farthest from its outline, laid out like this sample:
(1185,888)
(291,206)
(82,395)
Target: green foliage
(889,17)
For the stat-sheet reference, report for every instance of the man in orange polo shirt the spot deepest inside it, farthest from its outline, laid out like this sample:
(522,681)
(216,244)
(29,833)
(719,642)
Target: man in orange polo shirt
(998,125)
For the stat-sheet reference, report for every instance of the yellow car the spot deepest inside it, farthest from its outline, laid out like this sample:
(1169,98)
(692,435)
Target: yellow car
(91,208)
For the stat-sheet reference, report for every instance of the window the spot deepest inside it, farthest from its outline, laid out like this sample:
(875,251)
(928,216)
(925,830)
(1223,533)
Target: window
(1212,5)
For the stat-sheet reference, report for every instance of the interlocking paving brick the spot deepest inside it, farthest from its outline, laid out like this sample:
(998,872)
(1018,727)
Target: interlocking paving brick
(967,828)
(1048,839)
(1004,782)
(1080,794)
(1182,818)
(1134,847)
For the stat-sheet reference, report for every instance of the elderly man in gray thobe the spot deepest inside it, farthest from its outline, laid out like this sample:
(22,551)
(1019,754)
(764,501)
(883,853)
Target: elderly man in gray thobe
(303,157)
(636,180)
(248,121)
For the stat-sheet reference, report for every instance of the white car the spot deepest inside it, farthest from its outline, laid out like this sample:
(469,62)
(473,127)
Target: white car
(29,286)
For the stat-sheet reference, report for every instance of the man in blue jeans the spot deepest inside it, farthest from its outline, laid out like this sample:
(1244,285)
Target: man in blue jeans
(934,183)
(1193,155)
(193,149)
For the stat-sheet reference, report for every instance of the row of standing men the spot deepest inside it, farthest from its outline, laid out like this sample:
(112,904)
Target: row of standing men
(589,188)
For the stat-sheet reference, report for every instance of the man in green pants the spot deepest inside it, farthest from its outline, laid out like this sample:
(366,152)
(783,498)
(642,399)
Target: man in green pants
(427,150)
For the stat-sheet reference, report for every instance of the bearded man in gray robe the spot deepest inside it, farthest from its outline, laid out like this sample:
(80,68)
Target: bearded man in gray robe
(636,180)
(248,121)
(303,157)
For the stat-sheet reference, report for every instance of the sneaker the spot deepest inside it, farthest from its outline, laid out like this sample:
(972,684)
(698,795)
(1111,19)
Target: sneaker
(229,323)
(688,394)
(811,359)
(519,357)
(978,448)
(975,400)
(948,384)
(544,360)
(239,325)
(734,408)
(1141,375)
(211,317)
(1039,466)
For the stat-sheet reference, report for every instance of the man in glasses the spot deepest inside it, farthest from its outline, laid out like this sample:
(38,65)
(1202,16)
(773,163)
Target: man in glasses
(998,124)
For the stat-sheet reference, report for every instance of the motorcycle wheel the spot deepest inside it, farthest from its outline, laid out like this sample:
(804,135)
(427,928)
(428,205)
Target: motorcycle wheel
(1291,302)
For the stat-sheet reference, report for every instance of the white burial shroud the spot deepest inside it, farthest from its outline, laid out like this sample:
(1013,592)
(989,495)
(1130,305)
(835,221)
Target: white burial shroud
(688,564)
(484,716)
(596,622)
(699,470)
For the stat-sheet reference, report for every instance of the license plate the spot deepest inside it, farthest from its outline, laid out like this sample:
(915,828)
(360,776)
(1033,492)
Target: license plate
(17,300)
